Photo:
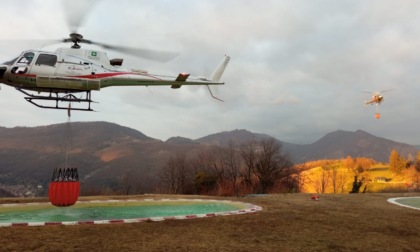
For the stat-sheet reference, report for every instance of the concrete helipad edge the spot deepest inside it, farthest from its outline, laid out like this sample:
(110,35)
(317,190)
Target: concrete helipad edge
(249,208)
(394,201)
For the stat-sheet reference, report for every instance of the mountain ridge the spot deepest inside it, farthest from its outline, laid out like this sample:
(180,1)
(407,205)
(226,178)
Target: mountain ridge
(106,152)
(333,145)
(340,143)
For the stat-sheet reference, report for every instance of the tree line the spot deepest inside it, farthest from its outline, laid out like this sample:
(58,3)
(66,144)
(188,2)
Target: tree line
(356,174)
(254,167)
(409,167)
(333,176)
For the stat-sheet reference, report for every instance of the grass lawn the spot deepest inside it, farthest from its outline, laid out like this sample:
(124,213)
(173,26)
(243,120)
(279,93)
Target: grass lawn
(292,222)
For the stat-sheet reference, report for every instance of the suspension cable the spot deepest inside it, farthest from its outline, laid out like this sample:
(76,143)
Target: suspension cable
(68,135)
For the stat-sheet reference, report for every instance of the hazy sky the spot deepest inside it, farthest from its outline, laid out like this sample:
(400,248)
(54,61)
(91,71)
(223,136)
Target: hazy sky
(299,69)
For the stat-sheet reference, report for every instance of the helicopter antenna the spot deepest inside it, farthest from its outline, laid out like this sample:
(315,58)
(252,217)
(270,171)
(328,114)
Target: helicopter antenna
(150,91)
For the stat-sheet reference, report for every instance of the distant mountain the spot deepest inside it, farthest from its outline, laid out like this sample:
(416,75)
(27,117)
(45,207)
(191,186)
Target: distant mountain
(107,153)
(181,140)
(237,136)
(334,145)
(241,136)
(339,144)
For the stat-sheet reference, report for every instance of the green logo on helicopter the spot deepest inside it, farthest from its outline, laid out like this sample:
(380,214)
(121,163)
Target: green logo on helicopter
(94,54)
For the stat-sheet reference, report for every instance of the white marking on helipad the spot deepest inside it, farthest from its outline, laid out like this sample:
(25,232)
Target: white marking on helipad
(394,201)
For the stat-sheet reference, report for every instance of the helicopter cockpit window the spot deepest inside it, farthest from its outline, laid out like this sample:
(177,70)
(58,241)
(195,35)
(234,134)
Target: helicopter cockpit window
(46,59)
(27,58)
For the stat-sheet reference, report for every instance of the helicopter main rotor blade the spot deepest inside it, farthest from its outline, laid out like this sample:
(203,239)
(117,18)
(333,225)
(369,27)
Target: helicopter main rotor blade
(378,92)
(386,90)
(76,12)
(154,55)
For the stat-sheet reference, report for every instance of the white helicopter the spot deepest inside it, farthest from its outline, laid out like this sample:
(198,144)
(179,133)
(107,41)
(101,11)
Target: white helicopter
(66,71)
(47,78)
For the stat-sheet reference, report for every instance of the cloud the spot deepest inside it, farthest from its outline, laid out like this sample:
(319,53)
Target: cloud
(298,68)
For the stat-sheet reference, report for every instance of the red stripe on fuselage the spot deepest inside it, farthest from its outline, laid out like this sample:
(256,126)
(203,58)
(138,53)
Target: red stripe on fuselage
(107,75)
(100,75)
(27,75)
(95,76)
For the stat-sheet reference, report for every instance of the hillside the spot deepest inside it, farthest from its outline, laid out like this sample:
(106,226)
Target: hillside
(103,152)
(241,136)
(339,144)
(108,154)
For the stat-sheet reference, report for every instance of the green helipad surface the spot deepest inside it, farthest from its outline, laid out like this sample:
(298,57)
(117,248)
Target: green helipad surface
(117,211)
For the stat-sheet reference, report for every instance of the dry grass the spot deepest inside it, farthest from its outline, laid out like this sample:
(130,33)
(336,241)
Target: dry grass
(358,222)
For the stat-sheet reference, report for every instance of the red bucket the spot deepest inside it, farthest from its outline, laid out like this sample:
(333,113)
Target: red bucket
(64,187)
(63,193)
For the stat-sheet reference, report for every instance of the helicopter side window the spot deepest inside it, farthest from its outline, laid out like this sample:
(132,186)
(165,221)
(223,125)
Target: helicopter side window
(27,58)
(46,59)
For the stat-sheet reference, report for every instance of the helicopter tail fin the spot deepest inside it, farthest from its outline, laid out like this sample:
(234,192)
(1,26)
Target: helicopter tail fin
(218,72)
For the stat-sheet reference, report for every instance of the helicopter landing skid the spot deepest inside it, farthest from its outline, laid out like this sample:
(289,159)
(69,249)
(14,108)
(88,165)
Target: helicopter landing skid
(65,98)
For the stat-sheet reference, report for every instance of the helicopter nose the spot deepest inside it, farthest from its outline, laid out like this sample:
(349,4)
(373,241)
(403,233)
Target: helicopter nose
(3,69)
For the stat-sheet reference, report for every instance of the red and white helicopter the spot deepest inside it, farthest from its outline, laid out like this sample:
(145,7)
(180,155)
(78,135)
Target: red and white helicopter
(57,76)
(376,99)
(48,78)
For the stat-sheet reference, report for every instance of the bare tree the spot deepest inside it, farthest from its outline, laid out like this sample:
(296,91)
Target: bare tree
(271,164)
(248,152)
(175,174)
(341,181)
(322,180)
(301,177)
(126,181)
(334,177)
(207,171)
(231,163)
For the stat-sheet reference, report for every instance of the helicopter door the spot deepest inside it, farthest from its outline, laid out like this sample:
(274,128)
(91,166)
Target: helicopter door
(45,65)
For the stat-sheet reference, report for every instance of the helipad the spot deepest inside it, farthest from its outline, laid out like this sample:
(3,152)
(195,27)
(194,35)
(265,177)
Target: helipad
(118,211)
